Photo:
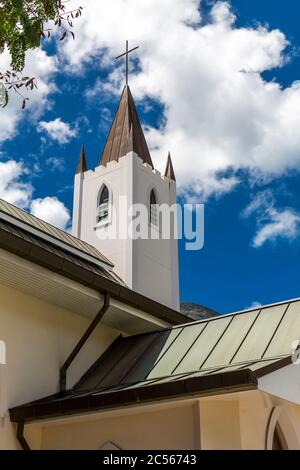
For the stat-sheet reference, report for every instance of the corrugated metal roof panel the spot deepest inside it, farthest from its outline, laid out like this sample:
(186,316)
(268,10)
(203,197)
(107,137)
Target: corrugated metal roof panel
(211,345)
(287,333)
(203,346)
(252,366)
(256,342)
(159,346)
(174,355)
(103,367)
(121,371)
(232,339)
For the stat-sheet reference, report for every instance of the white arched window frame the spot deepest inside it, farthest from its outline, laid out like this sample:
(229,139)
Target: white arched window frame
(279,440)
(153,208)
(281,434)
(104,204)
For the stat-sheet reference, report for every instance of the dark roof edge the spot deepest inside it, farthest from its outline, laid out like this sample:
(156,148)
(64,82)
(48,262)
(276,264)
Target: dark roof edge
(286,361)
(216,384)
(23,248)
(38,232)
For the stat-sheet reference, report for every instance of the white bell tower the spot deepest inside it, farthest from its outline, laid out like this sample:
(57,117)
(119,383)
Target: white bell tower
(126,176)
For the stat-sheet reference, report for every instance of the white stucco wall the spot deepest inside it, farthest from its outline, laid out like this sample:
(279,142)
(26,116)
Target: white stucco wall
(220,425)
(39,337)
(117,177)
(230,422)
(284,383)
(171,428)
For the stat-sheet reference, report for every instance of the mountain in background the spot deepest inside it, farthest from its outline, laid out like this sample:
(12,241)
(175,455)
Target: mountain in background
(197,312)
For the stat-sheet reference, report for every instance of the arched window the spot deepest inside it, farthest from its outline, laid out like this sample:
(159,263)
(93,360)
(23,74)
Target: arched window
(103,206)
(153,208)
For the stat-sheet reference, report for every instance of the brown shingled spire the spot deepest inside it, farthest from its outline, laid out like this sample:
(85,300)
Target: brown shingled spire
(126,133)
(82,166)
(169,169)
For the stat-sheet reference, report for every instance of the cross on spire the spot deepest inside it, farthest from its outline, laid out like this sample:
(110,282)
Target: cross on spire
(127,59)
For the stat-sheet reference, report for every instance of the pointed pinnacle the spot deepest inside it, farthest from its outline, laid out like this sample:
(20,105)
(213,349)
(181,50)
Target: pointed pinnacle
(169,173)
(81,166)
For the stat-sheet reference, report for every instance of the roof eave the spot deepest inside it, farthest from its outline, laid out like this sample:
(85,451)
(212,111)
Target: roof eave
(216,384)
(50,260)
(263,371)
(105,263)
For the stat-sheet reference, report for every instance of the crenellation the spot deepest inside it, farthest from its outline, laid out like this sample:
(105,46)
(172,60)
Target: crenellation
(88,174)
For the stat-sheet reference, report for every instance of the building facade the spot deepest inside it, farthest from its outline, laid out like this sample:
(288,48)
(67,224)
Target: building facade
(94,352)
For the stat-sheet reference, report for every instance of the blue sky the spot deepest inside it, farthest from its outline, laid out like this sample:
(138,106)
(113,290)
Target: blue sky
(250,255)
(229,274)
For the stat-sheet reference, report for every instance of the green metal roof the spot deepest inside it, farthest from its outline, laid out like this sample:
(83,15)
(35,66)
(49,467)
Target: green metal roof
(219,355)
(252,339)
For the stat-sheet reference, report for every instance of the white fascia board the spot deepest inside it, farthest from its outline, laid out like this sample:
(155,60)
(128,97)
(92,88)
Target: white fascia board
(139,314)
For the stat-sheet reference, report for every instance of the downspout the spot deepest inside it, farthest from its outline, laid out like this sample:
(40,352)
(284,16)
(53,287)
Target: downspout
(81,342)
(20,436)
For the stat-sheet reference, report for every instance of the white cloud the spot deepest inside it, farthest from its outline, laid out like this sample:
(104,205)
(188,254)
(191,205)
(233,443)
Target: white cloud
(255,304)
(283,224)
(219,112)
(51,210)
(55,164)
(12,189)
(58,130)
(272,224)
(41,66)
(221,13)
(260,204)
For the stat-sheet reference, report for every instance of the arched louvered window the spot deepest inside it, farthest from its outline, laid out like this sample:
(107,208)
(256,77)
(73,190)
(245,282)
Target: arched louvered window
(153,208)
(103,205)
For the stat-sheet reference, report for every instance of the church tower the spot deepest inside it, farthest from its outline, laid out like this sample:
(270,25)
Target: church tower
(103,197)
